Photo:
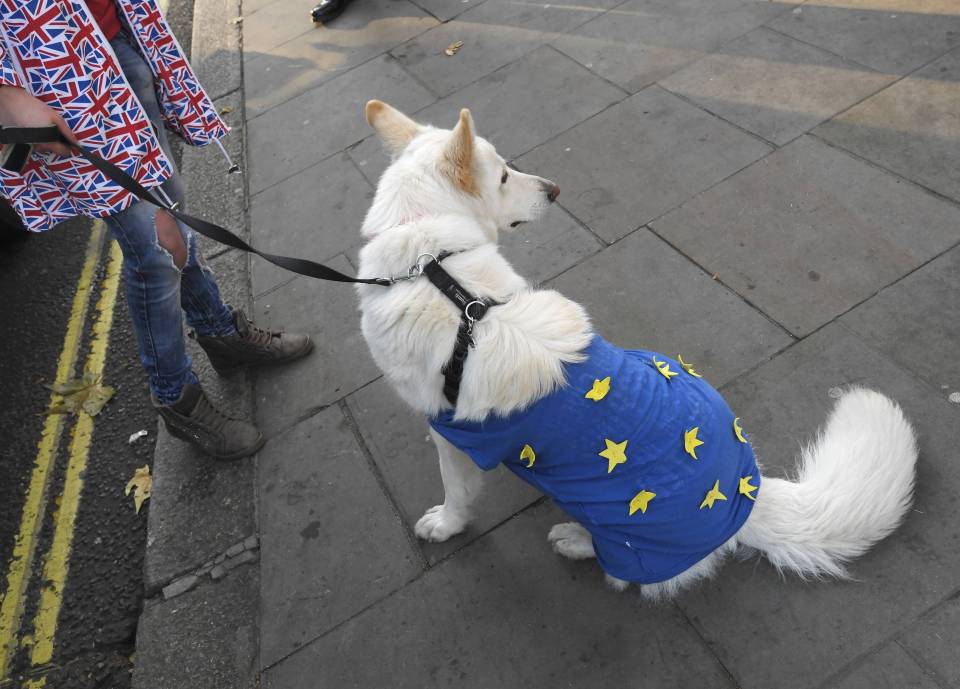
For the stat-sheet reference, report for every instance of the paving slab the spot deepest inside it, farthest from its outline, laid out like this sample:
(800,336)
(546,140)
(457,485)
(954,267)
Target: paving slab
(275,23)
(888,668)
(641,294)
(637,160)
(251,6)
(208,634)
(213,194)
(406,456)
(331,545)
(529,101)
(549,246)
(319,53)
(494,34)
(371,158)
(199,508)
(809,232)
(215,50)
(340,362)
(919,314)
(773,85)
(934,641)
(774,631)
(642,41)
(911,128)
(316,214)
(890,37)
(507,612)
(445,10)
(316,124)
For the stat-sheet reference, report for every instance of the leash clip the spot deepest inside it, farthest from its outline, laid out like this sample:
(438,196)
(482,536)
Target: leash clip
(414,271)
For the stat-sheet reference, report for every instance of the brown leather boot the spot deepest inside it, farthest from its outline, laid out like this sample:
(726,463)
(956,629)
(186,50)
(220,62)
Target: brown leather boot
(193,418)
(252,346)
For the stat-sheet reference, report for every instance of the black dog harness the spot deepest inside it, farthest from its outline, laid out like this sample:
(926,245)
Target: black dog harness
(472,309)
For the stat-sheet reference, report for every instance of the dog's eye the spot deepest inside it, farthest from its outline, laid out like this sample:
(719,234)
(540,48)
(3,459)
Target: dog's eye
(503,180)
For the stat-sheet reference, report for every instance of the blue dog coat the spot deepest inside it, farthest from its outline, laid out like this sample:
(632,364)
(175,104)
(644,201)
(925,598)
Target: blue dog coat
(637,448)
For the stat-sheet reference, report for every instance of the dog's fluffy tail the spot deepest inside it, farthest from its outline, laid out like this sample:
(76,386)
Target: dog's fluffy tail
(854,486)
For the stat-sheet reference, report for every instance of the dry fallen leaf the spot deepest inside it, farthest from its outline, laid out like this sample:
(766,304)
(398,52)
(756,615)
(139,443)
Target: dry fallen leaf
(453,48)
(142,486)
(81,393)
(226,111)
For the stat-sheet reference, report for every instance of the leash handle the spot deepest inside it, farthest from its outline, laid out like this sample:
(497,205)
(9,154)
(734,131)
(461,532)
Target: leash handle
(301,266)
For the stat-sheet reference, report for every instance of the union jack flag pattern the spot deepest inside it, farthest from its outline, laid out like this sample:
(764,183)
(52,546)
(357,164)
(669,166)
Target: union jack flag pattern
(55,50)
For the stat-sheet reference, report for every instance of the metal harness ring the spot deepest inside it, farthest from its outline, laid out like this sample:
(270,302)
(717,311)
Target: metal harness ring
(419,266)
(466,310)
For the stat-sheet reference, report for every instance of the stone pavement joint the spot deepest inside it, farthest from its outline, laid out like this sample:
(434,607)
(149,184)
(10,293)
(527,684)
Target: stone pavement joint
(244,552)
(381,481)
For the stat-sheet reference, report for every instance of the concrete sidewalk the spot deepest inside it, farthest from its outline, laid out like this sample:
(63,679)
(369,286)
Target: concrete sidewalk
(769,188)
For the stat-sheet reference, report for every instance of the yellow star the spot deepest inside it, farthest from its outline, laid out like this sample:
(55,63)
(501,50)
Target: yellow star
(688,367)
(528,454)
(664,369)
(746,488)
(615,453)
(640,501)
(691,442)
(713,495)
(738,430)
(599,390)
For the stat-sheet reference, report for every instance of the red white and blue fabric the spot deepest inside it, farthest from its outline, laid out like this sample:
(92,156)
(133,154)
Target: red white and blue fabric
(55,50)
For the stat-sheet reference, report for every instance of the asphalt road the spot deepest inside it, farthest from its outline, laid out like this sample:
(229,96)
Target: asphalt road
(94,633)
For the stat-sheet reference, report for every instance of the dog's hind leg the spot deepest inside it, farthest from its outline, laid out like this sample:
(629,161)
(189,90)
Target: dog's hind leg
(462,483)
(706,568)
(572,541)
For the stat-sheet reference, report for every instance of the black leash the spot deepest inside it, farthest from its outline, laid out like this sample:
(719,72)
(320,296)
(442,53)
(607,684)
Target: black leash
(472,309)
(302,266)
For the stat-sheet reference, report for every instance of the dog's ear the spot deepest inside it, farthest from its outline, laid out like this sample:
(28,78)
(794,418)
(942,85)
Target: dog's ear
(395,129)
(458,156)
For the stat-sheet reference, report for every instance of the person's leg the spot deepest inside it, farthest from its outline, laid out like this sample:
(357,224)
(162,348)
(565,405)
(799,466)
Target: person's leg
(152,284)
(229,339)
(200,296)
(157,257)
(152,280)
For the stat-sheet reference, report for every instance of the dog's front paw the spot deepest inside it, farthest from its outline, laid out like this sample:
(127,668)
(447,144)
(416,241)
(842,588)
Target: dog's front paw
(571,540)
(437,525)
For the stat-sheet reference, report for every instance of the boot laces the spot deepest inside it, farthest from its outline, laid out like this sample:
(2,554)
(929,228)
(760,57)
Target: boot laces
(208,415)
(259,336)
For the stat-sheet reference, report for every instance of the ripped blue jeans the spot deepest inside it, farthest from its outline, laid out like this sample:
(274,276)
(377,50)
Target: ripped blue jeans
(157,290)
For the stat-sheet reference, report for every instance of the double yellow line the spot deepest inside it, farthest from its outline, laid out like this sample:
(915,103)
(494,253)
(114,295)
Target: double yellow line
(56,561)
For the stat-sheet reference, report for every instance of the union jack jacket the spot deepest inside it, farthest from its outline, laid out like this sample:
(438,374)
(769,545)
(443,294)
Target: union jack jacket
(55,50)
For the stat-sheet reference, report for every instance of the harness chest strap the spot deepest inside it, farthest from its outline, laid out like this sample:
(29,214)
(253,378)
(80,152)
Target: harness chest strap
(472,309)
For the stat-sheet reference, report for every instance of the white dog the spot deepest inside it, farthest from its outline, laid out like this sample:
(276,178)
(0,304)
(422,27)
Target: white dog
(447,194)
